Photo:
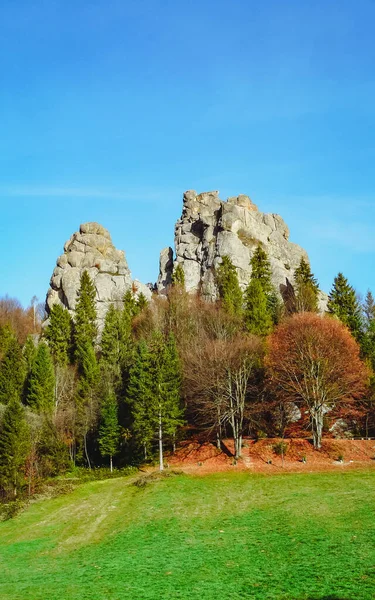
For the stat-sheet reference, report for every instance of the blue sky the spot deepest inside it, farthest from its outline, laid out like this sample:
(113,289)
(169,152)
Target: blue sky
(110,110)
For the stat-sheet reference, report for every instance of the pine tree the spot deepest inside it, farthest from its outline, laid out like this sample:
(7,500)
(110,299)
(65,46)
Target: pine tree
(229,288)
(257,317)
(109,430)
(14,447)
(343,303)
(12,373)
(306,287)
(178,277)
(85,328)
(41,388)
(59,335)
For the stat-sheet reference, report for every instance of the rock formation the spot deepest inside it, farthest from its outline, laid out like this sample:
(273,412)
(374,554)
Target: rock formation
(210,228)
(91,249)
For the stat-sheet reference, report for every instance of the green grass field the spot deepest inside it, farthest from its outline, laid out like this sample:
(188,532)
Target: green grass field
(231,535)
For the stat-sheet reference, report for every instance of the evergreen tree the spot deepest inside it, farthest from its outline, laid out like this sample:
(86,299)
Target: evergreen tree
(85,334)
(131,308)
(306,287)
(229,288)
(6,335)
(257,317)
(139,391)
(14,447)
(52,452)
(29,353)
(141,302)
(111,338)
(369,309)
(59,335)
(12,373)
(261,269)
(154,392)
(178,277)
(343,303)
(109,430)
(41,388)
(368,338)
(85,328)
(86,397)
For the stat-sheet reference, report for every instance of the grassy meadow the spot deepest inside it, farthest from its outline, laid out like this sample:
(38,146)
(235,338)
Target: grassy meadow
(223,536)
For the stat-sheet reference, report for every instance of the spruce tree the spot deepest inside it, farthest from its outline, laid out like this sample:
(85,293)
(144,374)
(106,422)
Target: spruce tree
(131,308)
(368,338)
(14,447)
(59,335)
(369,309)
(142,302)
(138,396)
(165,411)
(306,288)
(257,317)
(343,303)
(229,288)
(178,277)
(261,269)
(12,373)
(6,335)
(41,388)
(85,327)
(85,334)
(154,392)
(109,429)
(111,338)
(29,353)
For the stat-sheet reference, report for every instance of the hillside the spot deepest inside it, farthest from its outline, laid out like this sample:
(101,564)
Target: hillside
(221,536)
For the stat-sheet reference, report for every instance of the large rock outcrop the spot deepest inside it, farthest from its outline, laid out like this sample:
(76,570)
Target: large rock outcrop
(210,228)
(91,249)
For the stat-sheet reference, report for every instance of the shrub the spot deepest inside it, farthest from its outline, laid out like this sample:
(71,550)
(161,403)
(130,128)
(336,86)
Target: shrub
(280,448)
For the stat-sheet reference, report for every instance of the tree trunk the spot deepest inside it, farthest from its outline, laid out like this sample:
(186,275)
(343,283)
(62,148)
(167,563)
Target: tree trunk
(110,463)
(145,450)
(86,453)
(317,427)
(160,444)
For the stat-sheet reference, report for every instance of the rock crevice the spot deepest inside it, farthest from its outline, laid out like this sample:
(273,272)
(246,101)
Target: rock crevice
(91,249)
(211,228)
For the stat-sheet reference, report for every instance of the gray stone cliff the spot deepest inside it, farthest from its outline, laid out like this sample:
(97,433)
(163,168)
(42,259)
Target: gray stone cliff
(210,228)
(91,249)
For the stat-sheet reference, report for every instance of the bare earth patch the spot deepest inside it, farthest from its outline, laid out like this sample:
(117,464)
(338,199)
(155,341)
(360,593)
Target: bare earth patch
(260,457)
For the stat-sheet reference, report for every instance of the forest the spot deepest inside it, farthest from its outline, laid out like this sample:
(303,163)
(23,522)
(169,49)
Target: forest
(249,364)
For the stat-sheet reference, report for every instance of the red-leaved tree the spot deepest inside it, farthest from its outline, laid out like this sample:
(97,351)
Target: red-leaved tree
(314,361)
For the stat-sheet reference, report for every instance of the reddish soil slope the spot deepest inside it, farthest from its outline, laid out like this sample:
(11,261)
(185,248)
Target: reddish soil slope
(260,457)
